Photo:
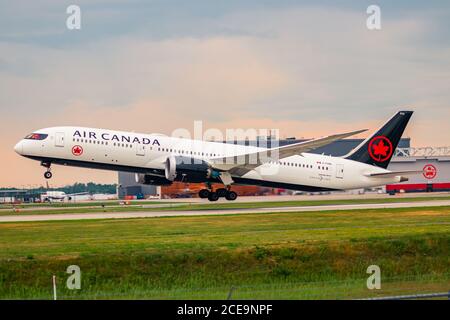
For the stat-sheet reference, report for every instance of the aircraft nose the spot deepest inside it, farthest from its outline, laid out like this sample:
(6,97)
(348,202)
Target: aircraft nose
(19,147)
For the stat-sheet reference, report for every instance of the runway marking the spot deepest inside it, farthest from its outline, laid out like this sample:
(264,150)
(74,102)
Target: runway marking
(155,214)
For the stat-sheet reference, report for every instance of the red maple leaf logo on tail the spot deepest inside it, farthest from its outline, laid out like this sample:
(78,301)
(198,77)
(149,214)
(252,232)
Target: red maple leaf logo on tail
(380,148)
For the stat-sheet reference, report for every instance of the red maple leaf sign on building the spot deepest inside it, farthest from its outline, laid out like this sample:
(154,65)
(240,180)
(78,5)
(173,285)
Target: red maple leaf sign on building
(380,148)
(77,150)
(429,171)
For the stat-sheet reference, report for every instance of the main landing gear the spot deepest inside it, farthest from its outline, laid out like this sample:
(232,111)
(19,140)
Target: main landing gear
(219,193)
(48,173)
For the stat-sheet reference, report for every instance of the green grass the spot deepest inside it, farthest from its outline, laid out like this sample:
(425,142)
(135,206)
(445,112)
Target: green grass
(224,205)
(304,255)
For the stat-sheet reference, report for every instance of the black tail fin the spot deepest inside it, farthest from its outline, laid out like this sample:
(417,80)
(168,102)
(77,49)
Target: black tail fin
(377,150)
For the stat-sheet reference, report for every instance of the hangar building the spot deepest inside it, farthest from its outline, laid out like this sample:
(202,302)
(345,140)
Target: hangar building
(434,162)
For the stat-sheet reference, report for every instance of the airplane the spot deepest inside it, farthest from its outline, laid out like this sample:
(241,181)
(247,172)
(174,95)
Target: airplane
(160,160)
(51,196)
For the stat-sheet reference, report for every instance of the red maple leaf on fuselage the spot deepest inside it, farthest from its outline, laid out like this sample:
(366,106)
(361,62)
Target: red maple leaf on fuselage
(77,150)
(380,149)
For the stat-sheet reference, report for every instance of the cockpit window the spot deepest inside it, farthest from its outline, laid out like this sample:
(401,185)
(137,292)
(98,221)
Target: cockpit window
(36,136)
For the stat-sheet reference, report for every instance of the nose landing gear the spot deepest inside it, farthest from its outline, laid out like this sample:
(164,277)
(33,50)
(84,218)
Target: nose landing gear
(47,174)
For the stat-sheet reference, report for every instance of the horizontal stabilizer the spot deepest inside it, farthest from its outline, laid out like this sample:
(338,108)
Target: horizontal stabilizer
(393,174)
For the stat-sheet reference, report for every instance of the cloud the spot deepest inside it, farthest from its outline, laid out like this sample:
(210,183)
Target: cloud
(307,71)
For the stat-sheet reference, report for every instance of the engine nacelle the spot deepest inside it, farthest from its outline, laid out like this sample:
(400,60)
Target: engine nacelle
(188,169)
(170,169)
(152,180)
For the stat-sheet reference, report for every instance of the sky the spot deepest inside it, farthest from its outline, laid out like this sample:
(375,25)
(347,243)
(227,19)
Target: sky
(309,69)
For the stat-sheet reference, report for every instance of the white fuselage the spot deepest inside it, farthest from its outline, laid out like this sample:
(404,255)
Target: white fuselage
(54,196)
(147,153)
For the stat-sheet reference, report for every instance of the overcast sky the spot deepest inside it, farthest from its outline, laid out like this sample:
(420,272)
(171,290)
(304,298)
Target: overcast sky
(307,68)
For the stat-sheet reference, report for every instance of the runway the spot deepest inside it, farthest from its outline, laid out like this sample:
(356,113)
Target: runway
(154,214)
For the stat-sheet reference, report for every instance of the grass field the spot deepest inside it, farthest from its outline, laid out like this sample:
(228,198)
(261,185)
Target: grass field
(159,206)
(308,255)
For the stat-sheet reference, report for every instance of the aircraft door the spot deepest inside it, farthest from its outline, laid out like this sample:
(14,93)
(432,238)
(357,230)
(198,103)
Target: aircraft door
(59,139)
(140,149)
(340,171)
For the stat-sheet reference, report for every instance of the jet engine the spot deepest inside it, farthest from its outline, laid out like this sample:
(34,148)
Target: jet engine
(188,169)
(170,168)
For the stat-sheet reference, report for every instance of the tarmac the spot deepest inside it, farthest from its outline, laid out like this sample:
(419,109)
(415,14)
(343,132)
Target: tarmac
(154,214)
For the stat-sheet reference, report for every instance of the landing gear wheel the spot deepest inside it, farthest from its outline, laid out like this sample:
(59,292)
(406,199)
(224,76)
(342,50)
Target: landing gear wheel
(48,173)
(204,193)
(222,192)
(213,196)
(231,195)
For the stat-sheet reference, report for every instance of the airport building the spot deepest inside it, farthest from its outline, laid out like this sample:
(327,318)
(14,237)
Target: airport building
(19,195)
(127,187)
(435,162)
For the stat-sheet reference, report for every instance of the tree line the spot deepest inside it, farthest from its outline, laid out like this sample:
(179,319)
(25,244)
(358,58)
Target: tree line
(77,187)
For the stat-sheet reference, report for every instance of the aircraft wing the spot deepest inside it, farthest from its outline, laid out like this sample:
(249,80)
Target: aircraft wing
(76,194)
(241,164)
